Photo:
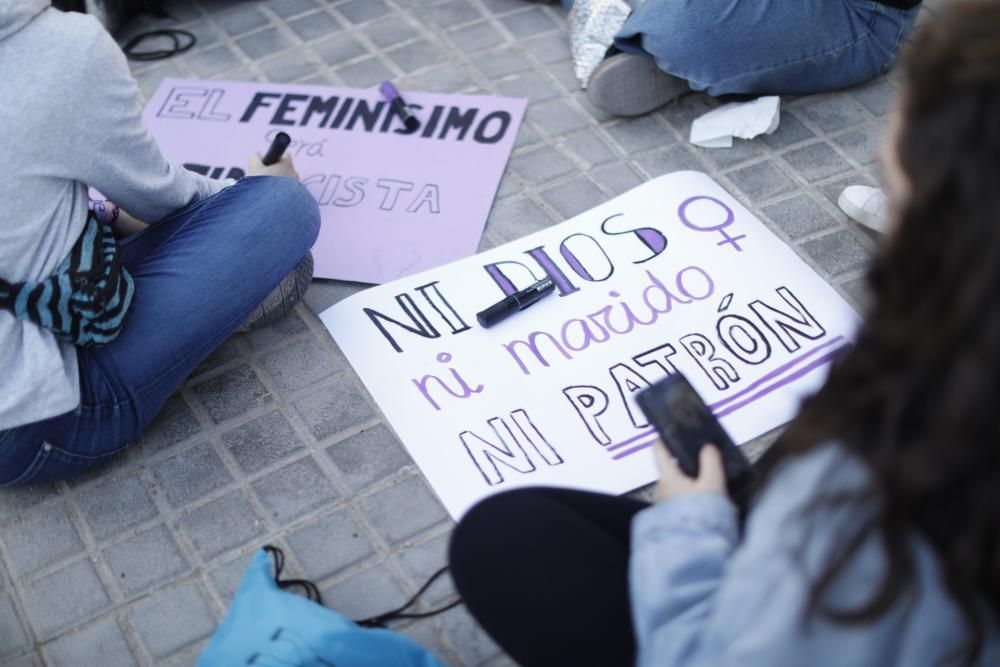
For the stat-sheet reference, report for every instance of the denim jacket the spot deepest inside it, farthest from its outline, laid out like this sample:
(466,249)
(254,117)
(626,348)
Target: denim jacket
(701,596)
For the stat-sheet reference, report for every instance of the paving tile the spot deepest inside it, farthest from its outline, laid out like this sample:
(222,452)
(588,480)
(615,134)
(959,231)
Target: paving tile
(119,504)
(145,561)
(476,37)
(212,61)
(14,638)
(242,18)
(859,291)
(313,26)
(100,643)
(640,134)
(338,49)
(419,563)
(287,67)
(831,112)
(335,407)
(762,181)
(325,293)
(293,490)
(190,475)
(557,117)
(368,593)
(549,49)
(532,21)
(364,73)
(452,13)
(472,644)
(448,77)
(173,619)
(861,145)
(176,422)
(619,178)
(360,11)
(500,63)
(682,111)
(499,7)
(799,216)
(28,660)
(300,364)
(63,598)
(416,55)
(43,537)
(262,44)
(426,634)
(262,442)
(328,545)
(659,162)
(281,332)
(230,350)
(516,218)
(837,253)
(232,393)
(541,164)
(527,136)
(878,96)
(287,8)
(368,456)
(574,196)
(15,501)
(226,578)
(403,510)
(816,162)
(726,158)
(223,524)
(533,85)
(588,147)
(790,131)
(390,31)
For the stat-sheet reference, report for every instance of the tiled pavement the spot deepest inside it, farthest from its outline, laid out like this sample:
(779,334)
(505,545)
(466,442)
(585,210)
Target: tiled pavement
(274,439)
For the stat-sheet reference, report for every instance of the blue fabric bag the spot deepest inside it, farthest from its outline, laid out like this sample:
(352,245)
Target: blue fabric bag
(269,627)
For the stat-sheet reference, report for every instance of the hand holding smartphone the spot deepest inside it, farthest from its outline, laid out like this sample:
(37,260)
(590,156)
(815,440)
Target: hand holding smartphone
(685,424)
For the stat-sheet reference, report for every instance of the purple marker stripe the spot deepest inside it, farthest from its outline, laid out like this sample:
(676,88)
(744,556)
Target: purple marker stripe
(785,380)
(625,443)
(773,374)
(629,452)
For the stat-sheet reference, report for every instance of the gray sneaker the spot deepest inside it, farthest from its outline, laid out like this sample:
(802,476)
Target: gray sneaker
(630,85)
(282,298)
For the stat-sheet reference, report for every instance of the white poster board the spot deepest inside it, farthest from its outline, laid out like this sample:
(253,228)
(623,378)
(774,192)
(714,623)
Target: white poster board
(673,275)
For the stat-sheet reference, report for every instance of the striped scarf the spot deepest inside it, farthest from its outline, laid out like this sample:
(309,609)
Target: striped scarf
(84,302)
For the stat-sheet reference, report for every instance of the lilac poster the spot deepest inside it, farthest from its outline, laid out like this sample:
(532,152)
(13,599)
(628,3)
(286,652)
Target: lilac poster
(674,275)
(395,200)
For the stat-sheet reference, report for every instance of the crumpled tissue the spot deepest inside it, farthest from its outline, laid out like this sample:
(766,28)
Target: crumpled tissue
(745,120)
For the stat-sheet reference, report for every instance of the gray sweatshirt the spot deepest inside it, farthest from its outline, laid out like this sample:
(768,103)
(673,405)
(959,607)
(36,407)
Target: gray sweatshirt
(70,116)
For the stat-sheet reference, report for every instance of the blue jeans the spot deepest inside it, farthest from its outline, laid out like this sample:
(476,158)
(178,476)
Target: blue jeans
(198,274)
(768,47)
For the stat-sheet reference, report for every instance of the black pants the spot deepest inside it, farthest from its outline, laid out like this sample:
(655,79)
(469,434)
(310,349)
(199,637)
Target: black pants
(545,572)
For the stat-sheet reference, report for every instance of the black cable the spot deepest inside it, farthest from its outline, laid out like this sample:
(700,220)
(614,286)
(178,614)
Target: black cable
(379,621)
(176,35)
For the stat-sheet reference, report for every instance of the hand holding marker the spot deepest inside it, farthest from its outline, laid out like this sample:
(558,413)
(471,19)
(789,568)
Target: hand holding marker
(277,149)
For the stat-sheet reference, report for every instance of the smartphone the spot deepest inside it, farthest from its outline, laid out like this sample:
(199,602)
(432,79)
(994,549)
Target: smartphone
(685,424)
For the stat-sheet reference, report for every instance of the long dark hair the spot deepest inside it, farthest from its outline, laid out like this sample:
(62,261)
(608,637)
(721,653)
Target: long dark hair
(918,397)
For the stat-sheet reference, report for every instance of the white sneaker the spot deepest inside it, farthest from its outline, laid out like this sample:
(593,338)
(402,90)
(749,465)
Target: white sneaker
(867,206)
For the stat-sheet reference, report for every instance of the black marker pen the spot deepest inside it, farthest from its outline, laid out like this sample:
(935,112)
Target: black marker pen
(277,149)
(516,301)
(397,104)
